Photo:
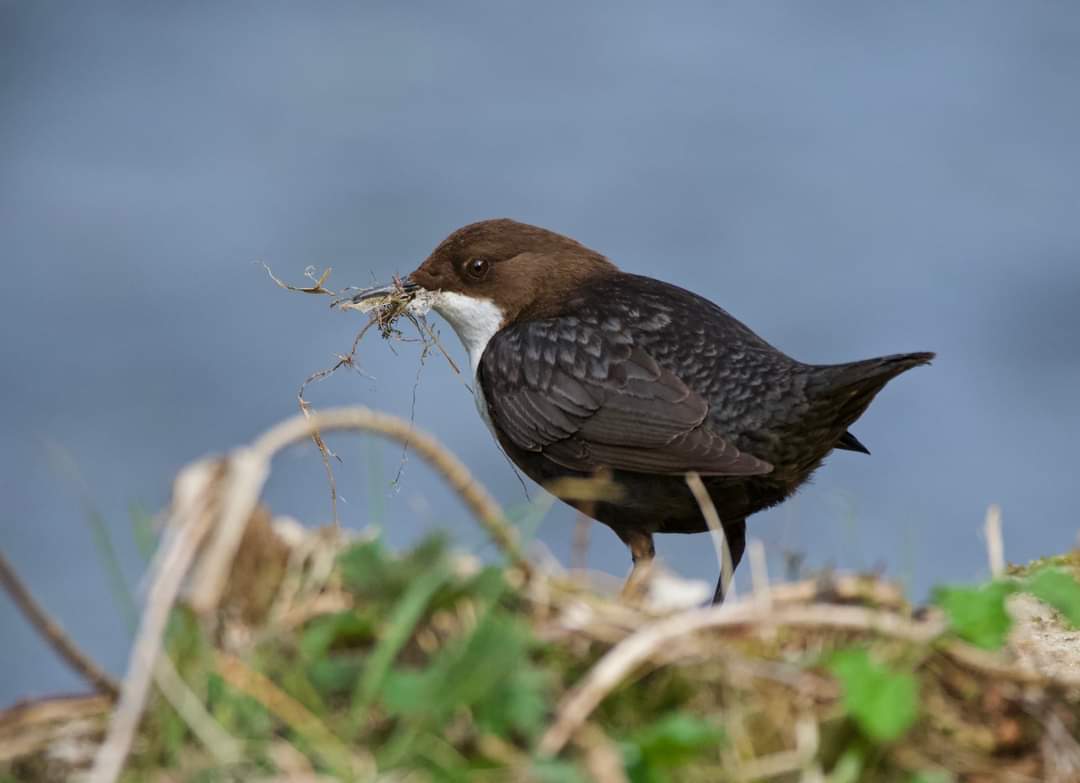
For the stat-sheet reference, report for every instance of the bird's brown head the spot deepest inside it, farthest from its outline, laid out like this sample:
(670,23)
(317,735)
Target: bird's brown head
(526,271)
(489,274)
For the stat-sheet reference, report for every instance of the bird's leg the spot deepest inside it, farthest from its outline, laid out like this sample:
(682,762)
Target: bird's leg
(642,553)
(735,541)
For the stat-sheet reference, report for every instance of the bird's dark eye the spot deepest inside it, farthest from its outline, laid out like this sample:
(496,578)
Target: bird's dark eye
(477,268)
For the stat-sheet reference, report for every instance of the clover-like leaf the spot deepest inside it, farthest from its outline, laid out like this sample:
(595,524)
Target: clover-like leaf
(883,703)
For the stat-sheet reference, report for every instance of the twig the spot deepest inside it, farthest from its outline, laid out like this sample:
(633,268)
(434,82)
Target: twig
(53,633)
(472,493)
(425,327)
(235,484)
(412,413)
(384,320)
(601,755)
(716,533)
(617,663)
(349,360)
(759,572)
(995,546)
(191,518)
(244,475)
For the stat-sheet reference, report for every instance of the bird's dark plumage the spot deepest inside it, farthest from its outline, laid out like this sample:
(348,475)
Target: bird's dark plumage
(849,442)
(584,369)
(651,381)
(646,378)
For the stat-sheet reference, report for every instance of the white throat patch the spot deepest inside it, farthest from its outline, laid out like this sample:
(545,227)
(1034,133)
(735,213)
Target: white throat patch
(474,319)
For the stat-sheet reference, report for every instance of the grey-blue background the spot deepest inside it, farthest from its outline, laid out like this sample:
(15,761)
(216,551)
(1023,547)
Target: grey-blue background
(849,178)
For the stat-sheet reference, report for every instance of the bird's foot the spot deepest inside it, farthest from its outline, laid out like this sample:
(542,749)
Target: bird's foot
(643,553)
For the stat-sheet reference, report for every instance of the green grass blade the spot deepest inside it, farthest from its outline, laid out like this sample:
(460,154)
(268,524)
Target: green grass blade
(403,619)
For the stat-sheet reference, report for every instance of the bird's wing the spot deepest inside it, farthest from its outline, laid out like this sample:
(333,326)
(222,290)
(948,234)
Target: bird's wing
(589,398)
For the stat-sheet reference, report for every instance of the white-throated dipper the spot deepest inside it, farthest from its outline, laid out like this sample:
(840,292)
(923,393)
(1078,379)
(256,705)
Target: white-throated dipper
(582,369)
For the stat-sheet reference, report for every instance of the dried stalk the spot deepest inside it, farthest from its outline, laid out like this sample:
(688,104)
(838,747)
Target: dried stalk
(625,657)
(221,495)
(53,633)
(716,533)
(191,518)
(995,545)
(472,493)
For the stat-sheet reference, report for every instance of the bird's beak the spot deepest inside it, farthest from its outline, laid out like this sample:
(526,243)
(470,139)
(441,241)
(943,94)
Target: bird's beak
(400,291)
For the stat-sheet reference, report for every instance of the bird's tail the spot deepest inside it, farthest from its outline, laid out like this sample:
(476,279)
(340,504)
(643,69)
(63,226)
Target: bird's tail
(843,391)
(870,372)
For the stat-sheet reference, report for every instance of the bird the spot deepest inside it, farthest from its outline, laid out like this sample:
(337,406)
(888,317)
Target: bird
(584,371)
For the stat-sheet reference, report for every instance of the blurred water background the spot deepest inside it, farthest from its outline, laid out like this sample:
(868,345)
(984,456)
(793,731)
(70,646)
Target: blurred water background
(849,178)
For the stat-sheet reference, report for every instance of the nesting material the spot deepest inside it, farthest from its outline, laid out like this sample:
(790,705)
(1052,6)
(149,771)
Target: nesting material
(397,301)
(384,306)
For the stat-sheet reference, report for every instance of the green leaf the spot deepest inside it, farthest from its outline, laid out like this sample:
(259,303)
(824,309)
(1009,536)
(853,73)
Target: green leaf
(486,672)
(883,703)
(335,675)
(407,692)
(1059,589)
(143,531)
(520,706)
(406,614)
(349,628)
(978,614)
(667,744)
(677,738)
(368,569)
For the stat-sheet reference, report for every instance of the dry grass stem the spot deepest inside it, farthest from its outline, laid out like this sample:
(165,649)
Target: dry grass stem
(238,491)
(315,288)
(383,312)
(716,533)
(995,546)
(190,518)
(223,747)
(347,360)
(759,572)
(223,495)
(603,760)
(292,713)
(474,495)
(619,662)
(51,631)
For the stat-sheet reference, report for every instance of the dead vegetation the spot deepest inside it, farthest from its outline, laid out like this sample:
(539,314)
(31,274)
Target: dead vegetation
(384,312)
(267,651)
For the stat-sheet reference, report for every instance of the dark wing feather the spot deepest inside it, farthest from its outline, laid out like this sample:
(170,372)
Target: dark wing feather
(588,398)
